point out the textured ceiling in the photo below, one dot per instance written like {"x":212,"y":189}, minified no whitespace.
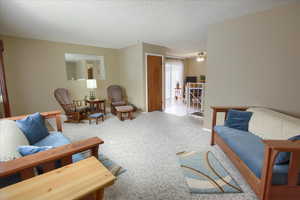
{"x":180,"y":25}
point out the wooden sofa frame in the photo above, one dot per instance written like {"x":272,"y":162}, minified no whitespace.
{"x":263,"y":186}
{"x":25,"y":166}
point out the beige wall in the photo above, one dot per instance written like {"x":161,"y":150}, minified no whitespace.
{"x":131,"y":74}
{"x":34,"y":68}
{"x":133,"y":71}
{"x":254,"y":60}
{"x":194,"y":68}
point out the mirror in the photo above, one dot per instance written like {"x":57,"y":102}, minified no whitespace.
{"x":82,"y":67}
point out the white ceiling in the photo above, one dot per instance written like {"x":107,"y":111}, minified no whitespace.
{"x":180,"y":25}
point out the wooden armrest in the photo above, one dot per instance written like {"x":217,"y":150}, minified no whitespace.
{"x":46,"y":115}
{"x":282,"y":145}
{"x":226,"y":108}
{"x":17,"y":165}
{"x":272,"y":149}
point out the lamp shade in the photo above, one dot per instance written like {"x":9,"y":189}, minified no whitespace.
{"x":91,"y":83}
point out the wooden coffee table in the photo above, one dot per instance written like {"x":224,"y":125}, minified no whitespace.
{"x":81,"y":180}
{"x":125,"y":110}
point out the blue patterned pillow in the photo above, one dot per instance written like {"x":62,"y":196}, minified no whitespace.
{"x":28,"y":150}
{"x":284,"y":157}
{"x":33,"y":127}
{"x":238,"y":119}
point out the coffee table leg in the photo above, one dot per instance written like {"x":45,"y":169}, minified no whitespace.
{"x":99,"y":194}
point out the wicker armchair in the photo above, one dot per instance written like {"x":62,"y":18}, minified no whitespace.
{"x":116,"y":97}
{"x":75,"y":110}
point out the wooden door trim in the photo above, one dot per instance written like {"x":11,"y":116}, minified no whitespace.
{"x":146,"y":78}
{"x":3,"y":86}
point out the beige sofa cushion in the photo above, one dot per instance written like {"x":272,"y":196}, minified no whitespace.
{"x":11,"y":137}
{"x":269,"y":124}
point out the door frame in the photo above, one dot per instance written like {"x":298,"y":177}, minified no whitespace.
{"x":163,"y":79}
{"x":3,"y":86}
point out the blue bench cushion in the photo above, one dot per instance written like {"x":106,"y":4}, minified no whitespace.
{"x":96,"y":115}
{"x":57,"y":139}
{"x":250,"y":150}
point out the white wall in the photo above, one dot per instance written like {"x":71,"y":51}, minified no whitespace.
{"x":255,"y":60}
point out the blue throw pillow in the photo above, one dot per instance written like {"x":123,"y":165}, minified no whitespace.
{"x":33,"y":127}
{"x":238,"y":119}
{"x":28,"y":150}
{"x":284,"y":157}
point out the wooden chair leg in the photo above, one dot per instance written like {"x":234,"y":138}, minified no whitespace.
{"x":99,"y":194}
{"x":97,"y":120}
{"x":78,"y":117}
{"x":102,"y":118}
{"x":119,"y":115}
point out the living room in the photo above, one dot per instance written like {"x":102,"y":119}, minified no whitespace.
{"x":248,"y":70}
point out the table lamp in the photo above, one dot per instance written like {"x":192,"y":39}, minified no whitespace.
{"x":91,"y":84}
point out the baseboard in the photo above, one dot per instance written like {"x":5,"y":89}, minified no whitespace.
{"x":206,"y":129}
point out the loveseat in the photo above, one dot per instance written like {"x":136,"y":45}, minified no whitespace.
{"x":63,"y":152}
{"x":255,"y":152}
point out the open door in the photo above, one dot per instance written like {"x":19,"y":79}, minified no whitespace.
{"x":4,"y":103}
{"x":154,"y":80}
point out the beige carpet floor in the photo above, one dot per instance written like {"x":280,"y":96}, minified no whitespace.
{"x":147,"y":147}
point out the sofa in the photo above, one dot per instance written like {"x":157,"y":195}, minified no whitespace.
{"x":62,"y":151}
{"x":255,"y":151}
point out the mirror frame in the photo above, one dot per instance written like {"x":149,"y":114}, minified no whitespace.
{"x":102,"y":66}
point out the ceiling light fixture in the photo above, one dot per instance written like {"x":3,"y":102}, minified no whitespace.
{"x":201,"y":57}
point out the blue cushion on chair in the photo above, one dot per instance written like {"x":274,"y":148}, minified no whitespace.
{"x":28,"y":150}
{"x":238,"y":119}
{"x":96,"y":115}
{"x":284,"y":157}
{"x":33,"y":127}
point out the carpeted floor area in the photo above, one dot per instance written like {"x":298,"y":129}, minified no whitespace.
{"x":147,"y":147}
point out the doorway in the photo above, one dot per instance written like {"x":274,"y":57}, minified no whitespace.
{"x":174,"y":73}
{"x":154,"y":82}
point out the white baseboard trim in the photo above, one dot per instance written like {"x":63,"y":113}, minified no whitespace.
{"x":206,"y":129}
